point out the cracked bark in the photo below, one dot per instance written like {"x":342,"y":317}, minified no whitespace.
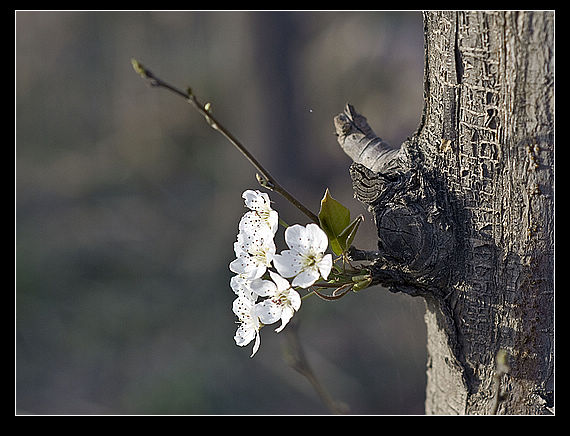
{"x":464,"y":208}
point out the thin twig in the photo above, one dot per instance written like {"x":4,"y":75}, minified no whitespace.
{"x":335,"y":295}
{"x":264,"y":178}
{"x":294,"y":355}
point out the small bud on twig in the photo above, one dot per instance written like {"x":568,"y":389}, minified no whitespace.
{"x":139,"y":69}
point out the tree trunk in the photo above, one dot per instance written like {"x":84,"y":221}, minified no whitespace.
{"x":464,"y":210}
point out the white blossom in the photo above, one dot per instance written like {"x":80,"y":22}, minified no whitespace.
{"x":261,"y":301}
{"x":241,"y":287}
{"x":261,"y":213}
{"x":250,"y":325}
{"x":305,"y":260}
{"x":281,"y":303}
{"x":255,"y":251}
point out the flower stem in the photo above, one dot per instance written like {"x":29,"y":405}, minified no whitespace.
{"x":264,"y":178}
{"x":283,"y":223}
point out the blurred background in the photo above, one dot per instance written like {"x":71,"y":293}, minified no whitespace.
{"x":127,"y":207}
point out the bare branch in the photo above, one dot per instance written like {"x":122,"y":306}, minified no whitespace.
{"x":264,"y":178}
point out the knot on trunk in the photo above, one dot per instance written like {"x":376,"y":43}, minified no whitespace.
{"x":416,"y":240}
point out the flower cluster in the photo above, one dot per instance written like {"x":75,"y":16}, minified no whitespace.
{"x":264,"y":295}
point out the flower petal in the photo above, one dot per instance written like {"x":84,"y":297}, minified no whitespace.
{"x":251,"y":222}
{"x":256,"y":200}
{"x":244,"y":335}
{"x":239,"y":265}
{"x":288,"y":263}
{"x":240,"y":286}
{"x":240,"y":248}
{"x":282,"y":284}
{"x":306,"y":278}
{"x":245,"y":310}
{"x":318,"y":238}
{"x":297,"y":238}
{"x":263,"y":288}
{"x":273,"y":221}
{"x":242,"y":308}
{"x":256,"y":344}
{"x":294,"y":299}
{"x":286,"y":316}
{"x":268,"y":311}
{"x":247,"y":267}
{"x":256,"y":239}
{"x":325,"y":266}
{"x":260,"y":213}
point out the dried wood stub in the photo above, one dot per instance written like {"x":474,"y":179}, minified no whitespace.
{"x":415,"y":238}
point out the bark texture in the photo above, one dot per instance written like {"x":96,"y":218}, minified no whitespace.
{"x":464,"y":209}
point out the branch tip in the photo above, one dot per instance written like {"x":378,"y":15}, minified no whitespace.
{"x":139,"y":69}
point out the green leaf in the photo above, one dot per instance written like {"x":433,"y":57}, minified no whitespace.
{"x":347,"y":235}
{"x":334,"y":219}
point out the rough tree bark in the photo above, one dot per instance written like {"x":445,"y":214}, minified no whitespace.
{"x":464,"y":209}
